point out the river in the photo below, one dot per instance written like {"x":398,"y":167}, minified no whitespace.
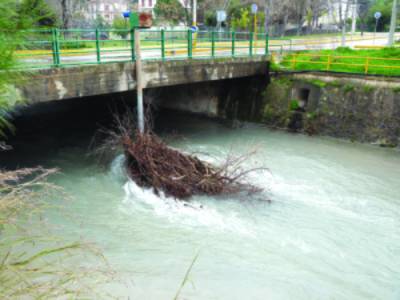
{"x":331,"y":229}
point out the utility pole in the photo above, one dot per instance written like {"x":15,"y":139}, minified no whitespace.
{"x":354,"y":18}
{"x":139,"y":81}
{"x":393,"y":23}
{"x":194,"y":13}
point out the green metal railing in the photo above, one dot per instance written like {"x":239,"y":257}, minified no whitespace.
{"x":66,"y":47}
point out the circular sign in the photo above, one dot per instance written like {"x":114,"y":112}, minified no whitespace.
{"x":126,"y":14}
{"x":378,"y":15}
{"x":254,"y":8}
{"x":194,"y":28}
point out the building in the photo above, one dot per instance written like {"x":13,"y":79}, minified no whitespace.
{"x":108,"y":9}
{"x":149,"y":4}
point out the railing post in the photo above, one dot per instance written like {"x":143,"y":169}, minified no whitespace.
{"x":57,"y":47}
{"x":133,"y":56}
{"x":251,"y":44}
{"x":162,"y":44}
{"x":294,"y":61}
{"x":189,"y":44}
{"x":266,"y":44}
{"x":366,"y":67}
{"x":328,"y":67}
{"x":233,"y":43}
{"x":213,"y":44}
{"x":98,"y":46}
{"x":54,"y":46}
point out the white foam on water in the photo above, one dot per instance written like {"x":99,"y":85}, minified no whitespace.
{"x":192,"y":213}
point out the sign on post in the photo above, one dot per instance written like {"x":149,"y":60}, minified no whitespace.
{"x":378,"y":15}
{"x":254,"y":8}
{"x":221,"y":16}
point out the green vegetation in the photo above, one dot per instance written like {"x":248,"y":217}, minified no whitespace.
{"x":335,"y":83}
{"x":317,"y":82}
{"x":348,"y":88}
{"x":384,"y":61}
{"x":396,"y":90}
{"x":121,"y":24}
{"x":294,"y":104}
{"x":170,"y":12}
{"x":368,"y":88}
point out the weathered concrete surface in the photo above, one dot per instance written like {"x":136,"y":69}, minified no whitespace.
{"x":359,"y":108}
{"x":91,"y":80}
{"x":234,"y":99}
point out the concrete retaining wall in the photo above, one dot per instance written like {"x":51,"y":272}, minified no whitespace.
{"x":359,"y":108}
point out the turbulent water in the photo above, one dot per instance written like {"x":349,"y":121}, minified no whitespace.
{"x":331,"y":230}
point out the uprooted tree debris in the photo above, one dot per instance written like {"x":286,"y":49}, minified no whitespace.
{"x":153,"y":164}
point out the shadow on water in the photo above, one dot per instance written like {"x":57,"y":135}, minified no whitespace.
{"x":44,"y":130}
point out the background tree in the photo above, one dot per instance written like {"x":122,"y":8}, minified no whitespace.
{"x":170,"y":12}
{"x":121,"y":24}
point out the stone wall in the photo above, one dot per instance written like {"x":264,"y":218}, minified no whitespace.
{"x":358,"y":108}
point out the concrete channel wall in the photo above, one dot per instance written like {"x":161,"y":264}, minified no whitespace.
{"x":355,"y":107}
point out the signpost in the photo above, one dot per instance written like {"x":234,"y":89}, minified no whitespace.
{"x":377,"y":16}
{"x":221,"y":17}
{"x":135,"y":22}
{"x":254,"y":9}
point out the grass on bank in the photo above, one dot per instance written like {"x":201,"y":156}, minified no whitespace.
{"x":384,"y":61}
{"x":34,"y":264}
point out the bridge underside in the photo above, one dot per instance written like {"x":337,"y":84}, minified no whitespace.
{"x":91,"y":80}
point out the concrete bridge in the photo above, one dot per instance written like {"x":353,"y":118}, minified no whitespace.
{"x":91,"y":80}
{"x":200,"y":76}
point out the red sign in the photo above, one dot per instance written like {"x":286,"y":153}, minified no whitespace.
{"x":145,"y":20}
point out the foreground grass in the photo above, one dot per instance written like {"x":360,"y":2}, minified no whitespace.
{"x":384,"y":61}
{"x":33,"y":263}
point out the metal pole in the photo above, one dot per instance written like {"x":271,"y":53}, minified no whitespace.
{"x":139,"y":82}
{"x":194,"y":20}
{"x":233,"y":43}
{"x":212,"y":44}
{"x":393,"y":22}
{"x":251,"y":43}
{"x":57,"y":47}
{"x":133,"y":44}
{"x":189,"y":43}
{"x":255,"y":32}
{"x":98,"y":45}
{"x":194,"y":13}
{"x":162,"y":44}
{"x":54,"y":46}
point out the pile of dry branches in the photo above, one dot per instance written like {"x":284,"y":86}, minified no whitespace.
{"x":151,"y":163}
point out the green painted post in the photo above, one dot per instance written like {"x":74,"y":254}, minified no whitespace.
{"x":98,"y":45}
{"x":266,"y":44}
{"x":133,"y":57}
{"x":54,"y":46}
{"x":189,"y":44}
{"x":57,"y":46}
{"x":162,"y":44}
{"x":233,"y":43}
{"x":213,"y":44}
{"x":251,"y":44}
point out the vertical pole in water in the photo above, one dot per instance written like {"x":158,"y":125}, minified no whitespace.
{"x":139,"y":82}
